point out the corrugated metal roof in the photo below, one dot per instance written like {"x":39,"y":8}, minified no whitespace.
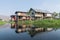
{"x":43,"y":11}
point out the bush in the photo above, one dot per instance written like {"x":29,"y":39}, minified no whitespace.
{"x":42,"y":23}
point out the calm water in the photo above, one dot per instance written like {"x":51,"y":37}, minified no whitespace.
{"x":12,"y":32}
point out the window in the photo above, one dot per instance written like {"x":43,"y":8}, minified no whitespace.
{"x":48,"y":14}
{"x":32,"y":13}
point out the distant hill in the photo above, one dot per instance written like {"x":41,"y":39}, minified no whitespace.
{"x":5,"y":18}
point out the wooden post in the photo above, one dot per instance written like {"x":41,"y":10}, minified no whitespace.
{"x":16,"y":20}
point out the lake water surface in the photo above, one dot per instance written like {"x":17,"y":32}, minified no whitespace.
{"x":12,"y":32}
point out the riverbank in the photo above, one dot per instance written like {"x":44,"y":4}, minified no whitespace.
{"x":55,"y":23}
{"x":47,"y":23}
{"x":2,"y":22}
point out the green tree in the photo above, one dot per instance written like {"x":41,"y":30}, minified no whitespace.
{"x":54,"y":14}
{"x":59,"y":15}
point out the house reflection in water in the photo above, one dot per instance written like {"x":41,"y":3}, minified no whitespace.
{"x":32,"y":31}
{"x":13,"y":25}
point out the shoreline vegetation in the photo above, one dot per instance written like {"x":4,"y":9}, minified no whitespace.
{"x":54,"y":23}
{"x":2,"y":22}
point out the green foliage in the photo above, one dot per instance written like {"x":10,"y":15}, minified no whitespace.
{"x":47,"y":23}
{"x":2,"y":22}
{"x":42,"y":23}
{"x":54,"y":14}
{"x":26,"y":22}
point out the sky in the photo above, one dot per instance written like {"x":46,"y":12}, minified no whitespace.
{"x":8,"y":7}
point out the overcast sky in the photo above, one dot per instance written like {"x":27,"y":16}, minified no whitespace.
{"x":8,"y":7}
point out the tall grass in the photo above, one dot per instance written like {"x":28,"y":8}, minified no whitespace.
{"x":26,"y":22}
{"x":2,"y":22}
{"x":42,"y":23}
{"x":47,"y":23}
